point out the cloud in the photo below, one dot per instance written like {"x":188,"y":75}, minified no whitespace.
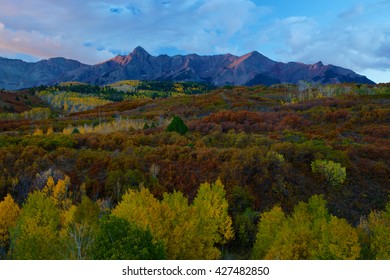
{"x":125,"y":10}
{"x":116,"y":10}
{"x":352,"y":12}
{"x":204,"y":27}
{"x":355,"y":39}
{"x":95,"y":30}
{"x":383,"y":49}
{"x":378,"y":76}
{"x":38,"y":45}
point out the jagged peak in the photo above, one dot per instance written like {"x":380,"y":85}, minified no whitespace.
{"x":140,"y":51}
{"x":250,"y":56}
{"x":217,"y":69}
{"x":256,"y":55}
{"x":316,"y":65}
{"x":120,"y":59}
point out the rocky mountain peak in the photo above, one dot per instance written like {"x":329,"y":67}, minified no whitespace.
{"x":250,"y":69}
{"x":317,"y":65}
{"x":139,"y":51}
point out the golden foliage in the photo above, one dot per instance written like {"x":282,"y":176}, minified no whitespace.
{"x":9,"y":212}
{"x":38,"y":131}
{"x":59,"y":192}
{"x":50,"y":131}
{"x":188,"y":231}
{"x":36,"y":234}
{"x":309,"y":233}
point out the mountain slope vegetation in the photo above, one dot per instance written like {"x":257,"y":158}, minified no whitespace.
{"x":252,"y":162}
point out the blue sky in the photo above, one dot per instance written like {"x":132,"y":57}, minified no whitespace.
{"x":351,"y":34}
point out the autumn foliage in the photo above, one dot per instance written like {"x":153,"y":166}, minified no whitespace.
{"x":238,"y":172}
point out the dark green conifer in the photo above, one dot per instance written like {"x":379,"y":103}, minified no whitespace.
{"x":177,"y":125}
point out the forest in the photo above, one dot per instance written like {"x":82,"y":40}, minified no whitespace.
{"x":164,"y":170}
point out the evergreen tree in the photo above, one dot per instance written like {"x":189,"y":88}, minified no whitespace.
{"x":75,"y":131}
{"x":177,"y":125}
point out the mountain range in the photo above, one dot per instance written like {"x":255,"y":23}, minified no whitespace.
{"x":227,"y":69}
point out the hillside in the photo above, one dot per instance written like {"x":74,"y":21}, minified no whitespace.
{"x":266,"y":151}
{"x":17,"y":102}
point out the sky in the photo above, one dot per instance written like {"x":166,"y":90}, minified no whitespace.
{"x":346,"y":33}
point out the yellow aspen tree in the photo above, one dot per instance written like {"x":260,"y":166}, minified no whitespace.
{"x":212,"y":207}
{"x":139,"y":207}
{"x":59,"y":192}
{"x":172,"y":221}
{"x":340,"y":241}
{"x":36,"y":234}
{"x":38,"y":132}
{"x":66,"y":106}
{"x":375,"y":233}
{"x":79,"y":229}
{"x":9,"y":212}
{"x":309,"y":233}
{"x":271,"y":223}
{"x":179,"y":228}
{"x":49,"y":131}
{"x":188,"y":231}
{"x":68,"y":130}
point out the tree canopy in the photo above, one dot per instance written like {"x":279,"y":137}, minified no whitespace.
{"x":117,"y":239}
{"x":36,"y":234}
{"x":9,"y":212}
{"x":189,"y":231}
{"x":309,"y":233}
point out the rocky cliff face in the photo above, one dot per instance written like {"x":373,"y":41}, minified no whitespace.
{"x":250,"y":69}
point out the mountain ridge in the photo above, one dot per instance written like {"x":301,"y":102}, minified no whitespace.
{"x":225,"y":69}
